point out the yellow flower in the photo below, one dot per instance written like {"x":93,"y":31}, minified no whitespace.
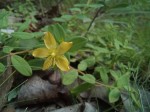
{"x":54,"y":53}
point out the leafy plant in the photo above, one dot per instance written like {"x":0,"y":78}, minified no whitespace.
{"x":108,"y":46}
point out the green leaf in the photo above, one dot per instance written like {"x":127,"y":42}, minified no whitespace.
{"x":103,"y":74}
{"x":75,"y":9}
{"x":63,"y":18}
{"x":115,"y":74}
{"x":88,"y":78}
{"x":23,"y":35}
{"x":13,"y":94}
{"x":2,"y":68}
{"x":100,"y":50}
{"x":90,"y":61}
{"x":26,"y":35}
{"x":7,"y":49}
{"x":38,"y":34}
{"x":3,"y":18}
{"x":21,"y":65}
{"x":84,"y":18}
{"x":28,"y":44}
{"x":67,"y":17}
{"x":78,"y":43}
{"x":24,"y":25}
{"x":114,"y":95}
{"x":117,"y":44}
{"x":58,"y":32}
{"x":36,"y":64}
{"x":59,"y":19}
{"x":82,"y":66}
{"x":81,"y":88}
{"x":70,"y":77}
{"x":89,"y":5}
{"x":136,"y":99}
{"x":123,"y":80}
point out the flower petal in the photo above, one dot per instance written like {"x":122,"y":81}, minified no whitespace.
{"x":41,"y":52}
{"x":64,"y":47}
{"x":62,"y":63}
{"x":48,"y":62}
{"x":49,"y":40}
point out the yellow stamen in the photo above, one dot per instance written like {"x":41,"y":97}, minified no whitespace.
{"x":53,"y":54}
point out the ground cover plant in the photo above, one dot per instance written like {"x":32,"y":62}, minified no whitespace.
{"x":74,"y":56}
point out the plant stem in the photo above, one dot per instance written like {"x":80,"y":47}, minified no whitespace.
{"x":41,"y":6}
{"x":96,"y":14}
{"x":17,"y":87}
{"x":20,"y":52}
{"x":7,"y":78}
{"x":78,"y":71}
{"x":101,"y":84}
{"x":101,"y":10}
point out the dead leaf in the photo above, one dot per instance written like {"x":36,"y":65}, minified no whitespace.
{"x":89,"y":107}
{"x":96,"y":92}
{"x":37,"y":90}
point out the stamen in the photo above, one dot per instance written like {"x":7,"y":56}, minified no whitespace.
{"x":53,"y":54}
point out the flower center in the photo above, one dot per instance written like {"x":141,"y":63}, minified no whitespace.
{"x":53,"y":54}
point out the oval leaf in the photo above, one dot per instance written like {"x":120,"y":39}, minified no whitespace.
{"x":78,"y":43}
{"x":123,"y":81}
{"x":70,"y":77}
{"x":23,"y":35}
{"x":114,"y":95}
{"x":58,"y":32}
{"x":2,"y":68}
{"x":90,"y":61}
{"x":26,"y":44}
{"x":103,"y":74}
{"x":36,"y":64}
{"x":21,"y":65}
{"x":82,"y":66}
{"x":24,"y":25}
{"x":81,"y":88}
{"x":88,"y":78}
{"x":115,"y":74}
{"x":12,"y":94}
{"x":7,"y":49}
